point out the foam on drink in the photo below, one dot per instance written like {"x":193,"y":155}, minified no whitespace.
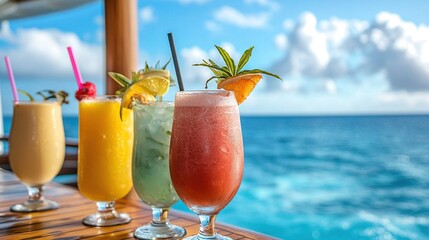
{"x":210,"y":98}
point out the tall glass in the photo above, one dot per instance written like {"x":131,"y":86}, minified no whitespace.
{"x":36,"y":150}
{"x":151,"y":176}
{"x":206,"y":154}
{"x":104,"y":157}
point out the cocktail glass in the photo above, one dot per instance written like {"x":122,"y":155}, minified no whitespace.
{"x":151,"y":176}
{"x":104,"y":157}
{"x":36,"y":150}
{"x":206,"y":154}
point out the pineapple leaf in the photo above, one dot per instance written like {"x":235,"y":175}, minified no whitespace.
{"x":215,"y":67}
{"x":225,"y":68}
{"x":230,"y":65}
{"x":216,"y":72}
{"x":244,"y":58}
{"x":166,"y":64}
{"x":41,"y":94}
{"x":26,"y":94}
{"x":134,"y":77}
{"x":120,"y":92}
{"x":62,"y":95}
{"x":261,"y":72}
{"x":211,"y":63}
{"x":172,"y":82}
{"x":208,"y":80}
{"x":120,"y":79}
{"x":230,"y":69}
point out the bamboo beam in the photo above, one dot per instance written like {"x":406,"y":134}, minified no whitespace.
{"x":121,"y":39}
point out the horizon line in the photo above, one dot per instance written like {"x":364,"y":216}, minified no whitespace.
{"x":306,"y":115}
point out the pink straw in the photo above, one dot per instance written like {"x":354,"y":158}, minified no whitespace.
{"x":76,"y":71}
{"x":11,"y":78}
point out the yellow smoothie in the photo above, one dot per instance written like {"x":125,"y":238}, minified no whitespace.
{"x":37,"y":141}
{"x":105,"y":150}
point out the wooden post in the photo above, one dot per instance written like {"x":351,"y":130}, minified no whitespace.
{"x":121,"y":39}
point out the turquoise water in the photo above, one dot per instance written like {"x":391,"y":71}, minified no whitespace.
{"x":331,"y":178}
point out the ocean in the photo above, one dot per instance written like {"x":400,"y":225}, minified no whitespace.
{"x":330,"y":178}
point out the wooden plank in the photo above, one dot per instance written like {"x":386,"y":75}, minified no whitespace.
{"x":70,"y":226}
{"x":66,"y":222}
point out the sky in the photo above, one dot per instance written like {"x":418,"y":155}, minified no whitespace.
{"x":335,"y":57}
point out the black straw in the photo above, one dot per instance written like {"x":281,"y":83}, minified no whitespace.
{"x":176,"y":63}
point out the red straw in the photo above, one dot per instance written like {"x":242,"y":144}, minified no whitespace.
{"x":11,"y":78}
{"x":76,"y":71}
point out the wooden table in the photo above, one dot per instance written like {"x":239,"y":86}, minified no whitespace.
{"x":65,"y":222}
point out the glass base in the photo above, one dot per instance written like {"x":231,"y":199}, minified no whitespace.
{"x":106,"y":219}
{"x":159,"y":231}
{"x":201,"y":237}
{"x":34,"y":206}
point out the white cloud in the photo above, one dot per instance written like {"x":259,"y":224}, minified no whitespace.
{"x":212,"y":26}
{"x":100,"y":31}
{"x":330,"y":86}
{"x":336,"y":49}
{"x":288,"y":24}
{"x":227,"y":14}
{"x":5,"y":32}
{"x":146,"y":14}
{"x":40,"y":61}
{"x":193,"y":1}
{"x":292,"y":103}
{"x":281,"y":41}
{"x":191,"y":73}
{"x":99,"y":20}
{"x":264,"y":3}
{"x":400,"y":98}
{"x":398,"y":48}
{"x":41,"y":53}
{"x":308,"y":46}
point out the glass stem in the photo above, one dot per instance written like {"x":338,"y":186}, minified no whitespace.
{"x":105,"y":207}
{"x":207,"y":226}
{"x":35,"y":193}
{"x":159,"y":216}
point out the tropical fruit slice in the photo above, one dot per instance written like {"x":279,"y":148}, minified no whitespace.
{"x":242,"y":85}
{"x":156,"y":81}
{"x":232,"y":77}
{"x":136,"y":91}
{"x":146,"y":85}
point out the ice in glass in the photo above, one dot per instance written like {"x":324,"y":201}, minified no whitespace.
{"x":206,"y":154}
{"x":151,"y":176}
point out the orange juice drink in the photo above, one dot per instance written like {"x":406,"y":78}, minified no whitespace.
{"x":105,"y":149}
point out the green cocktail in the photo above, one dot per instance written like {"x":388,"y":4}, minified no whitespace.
{"x":150,"y":168}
